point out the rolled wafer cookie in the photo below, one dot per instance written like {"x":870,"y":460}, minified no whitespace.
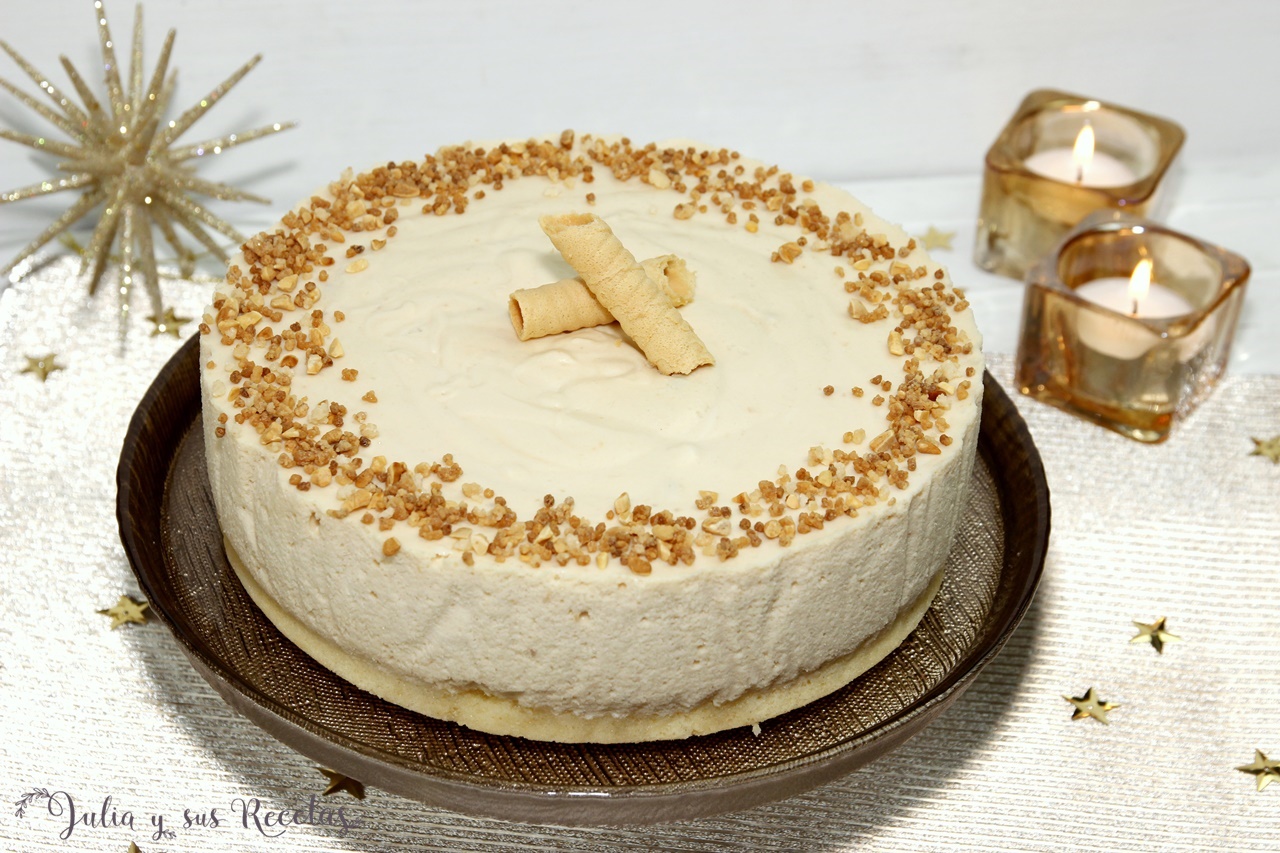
{"x":568,"y":304}
{"x":621,"y":285}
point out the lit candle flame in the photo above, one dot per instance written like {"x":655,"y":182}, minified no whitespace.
{"x":1140,"y":283}
{"x":1082,"y":152}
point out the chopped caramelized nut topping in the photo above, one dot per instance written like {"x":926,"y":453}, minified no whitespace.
{"x":269,"y":315}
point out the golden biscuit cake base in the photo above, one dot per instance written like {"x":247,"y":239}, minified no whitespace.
{"x":501,"y":716}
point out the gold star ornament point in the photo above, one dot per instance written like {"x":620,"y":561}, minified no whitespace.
{"x":1155,"y":634}
{"x":126,"y":610}
{"x":42,"y":365}
{"x":167,"y":323}
{"x":123,"y":157}
{"x":1090,"y":705}
{"x":935,"y":239}
{"x":339,"y":782}
{"x":1263,"y":769}
{"x":1269,"y":448}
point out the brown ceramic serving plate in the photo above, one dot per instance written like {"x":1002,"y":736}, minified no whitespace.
{"x":171,"y":535}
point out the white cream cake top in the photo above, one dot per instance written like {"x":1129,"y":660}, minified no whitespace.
{"x":582,"y":415}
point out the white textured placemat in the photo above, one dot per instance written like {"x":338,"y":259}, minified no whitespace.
{"x":1189,"y":530}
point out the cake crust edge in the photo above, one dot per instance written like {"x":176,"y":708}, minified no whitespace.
{"x":504,"y":716}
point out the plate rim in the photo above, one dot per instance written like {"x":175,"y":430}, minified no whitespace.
{"x":594,"y":805}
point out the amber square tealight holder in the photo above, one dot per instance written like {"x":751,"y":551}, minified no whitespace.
{"x":1132,"y":363}
{"x":1035,"y":189}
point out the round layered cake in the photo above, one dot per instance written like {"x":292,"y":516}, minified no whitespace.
{"x":552,"y":537}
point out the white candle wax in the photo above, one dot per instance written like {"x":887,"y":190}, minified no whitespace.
{"x":1120,"y":339}
{"x":1060,"y":164}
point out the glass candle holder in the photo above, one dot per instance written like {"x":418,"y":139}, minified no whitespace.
{"x":1041,"y":176}
{"x":1093,"y":344}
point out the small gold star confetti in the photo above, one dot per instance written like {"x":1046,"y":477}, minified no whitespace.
{"x":123,"y":156}
{"x":126,"y":610}
{"x":1266,"y":770}
{"x":167,"y":323}
{"x":1155,"y":634}
{"x":935,"y":239}
{"x":133,"y":848}
{"x":1269,"y":448}
{"x":42,"y":365}
{"x":1089,"y":705}
{"x":341,"y":782}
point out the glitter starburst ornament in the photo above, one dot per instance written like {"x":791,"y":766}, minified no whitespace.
{"x":122,"y":156}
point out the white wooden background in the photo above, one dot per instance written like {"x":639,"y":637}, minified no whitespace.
{"x":840,"y":90}
{"x":897,"y":101}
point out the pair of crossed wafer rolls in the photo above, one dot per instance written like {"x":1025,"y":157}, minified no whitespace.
{"x":621,"y":289}
{"x":568,"y":305}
